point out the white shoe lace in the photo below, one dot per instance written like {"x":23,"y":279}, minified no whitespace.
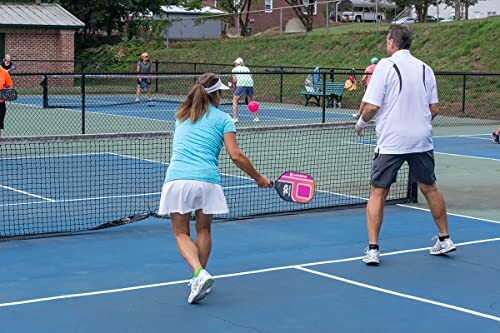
{"x":437,"y":246}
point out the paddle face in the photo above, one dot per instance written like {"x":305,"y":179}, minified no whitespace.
{"x":8,"y":94}
{"x":295,"y":187}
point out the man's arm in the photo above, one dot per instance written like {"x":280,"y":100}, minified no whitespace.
{"x":434,"y":110}
{"x":369,"y":111}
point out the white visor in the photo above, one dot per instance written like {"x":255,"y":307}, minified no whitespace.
{"x":218,"y":86}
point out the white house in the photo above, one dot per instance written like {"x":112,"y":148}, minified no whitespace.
{"x":185,"y":26}
{"x":484,"y":8}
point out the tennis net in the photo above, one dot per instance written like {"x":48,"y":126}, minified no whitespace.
{"x":65,"y":184}
{"x":78,"y":91}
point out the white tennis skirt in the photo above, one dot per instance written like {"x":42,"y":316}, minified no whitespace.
{"x":185,"y":196}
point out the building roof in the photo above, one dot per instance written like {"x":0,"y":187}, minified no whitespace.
{"x":37,"y":16}
{"x":187,"y":11}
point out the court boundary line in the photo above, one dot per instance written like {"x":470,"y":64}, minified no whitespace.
{"x":469,"y":156}
{"x":460,"y":136}
{"x":452,"y":214}
{"x":26,"y":193}
{"x":399,"y":294}
{"x":244,"y":273}
{"x":441,"y":153}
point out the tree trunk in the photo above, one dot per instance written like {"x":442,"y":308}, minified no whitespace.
{"x":457,"y":9}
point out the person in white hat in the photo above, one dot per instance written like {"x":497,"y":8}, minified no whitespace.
{"x":243,"y":81}
{"x":193,"y":180}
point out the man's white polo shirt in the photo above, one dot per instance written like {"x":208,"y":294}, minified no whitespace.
{"x":403,"y":87}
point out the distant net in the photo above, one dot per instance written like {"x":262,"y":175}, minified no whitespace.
{"x":78,"y":91}
{"x":68,"y":184}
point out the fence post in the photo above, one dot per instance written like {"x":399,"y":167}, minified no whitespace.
{"x":327,"y":18}
{"x":157,"y":66}
{"x":281,"y":84}
{"x":324,"y":98}
{"x":463,"y":94}
{"x":281,"y":20}
{"x":45,"y":91}
{"x":412,"y":191}
{"x":83,"y":102}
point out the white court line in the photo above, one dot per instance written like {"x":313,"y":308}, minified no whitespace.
{"x":26,"y":193}
{"x":452,"y":214}
{"x":265,"y":270}
{"x":459,"y":135}
{"x":398,"y":294}
{"x":469,"y":156}
{"x":97,"y":198}
{"x":441,"y":153}
{"x":50,"y":156}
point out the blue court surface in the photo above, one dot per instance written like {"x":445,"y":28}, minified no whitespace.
{"x":476,"y":146}
{"x":298,"y":273}
{"x":165,"y":110}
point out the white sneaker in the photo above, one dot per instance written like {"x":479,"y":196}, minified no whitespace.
{"x":235,"y":120}
{"x":137,"y":100}
{"x":372,"y":257}
{"x":208,"y":291}
{"x":256,"y":119}
{"x":443,"y":247}
{"x":199,"y":286}
{"x":355,"y":116}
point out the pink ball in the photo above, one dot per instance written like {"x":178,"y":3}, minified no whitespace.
{"x":253,"y":106}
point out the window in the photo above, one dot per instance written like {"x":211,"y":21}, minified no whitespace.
{"x":315,"y":8}
{"x":268,"y":6}
{"x":492,"y":14}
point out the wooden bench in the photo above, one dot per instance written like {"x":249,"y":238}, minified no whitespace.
{"x":333,"y":94}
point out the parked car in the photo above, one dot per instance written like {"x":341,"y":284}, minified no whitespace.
{"x":431,"y":19}
{"x":450,"y":18}
{"x":404,"y":20}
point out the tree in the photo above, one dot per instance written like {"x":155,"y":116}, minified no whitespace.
{"x":461,"y":7}
{"x":109,"y":13}
{"x":421,"y":7}
{"x":236,"y":7}
{"x":304,"y":10}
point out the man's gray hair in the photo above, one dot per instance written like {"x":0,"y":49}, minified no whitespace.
{"x":401,"y":35}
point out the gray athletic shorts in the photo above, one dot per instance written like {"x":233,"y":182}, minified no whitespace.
{"x":386,"y":166}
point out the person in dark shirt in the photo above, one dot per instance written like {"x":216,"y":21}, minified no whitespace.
{"x":7,"y":64}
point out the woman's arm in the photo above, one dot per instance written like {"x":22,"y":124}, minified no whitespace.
{"x":242,"y":161}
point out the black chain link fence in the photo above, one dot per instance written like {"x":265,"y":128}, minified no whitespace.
{"x":73,"y":103}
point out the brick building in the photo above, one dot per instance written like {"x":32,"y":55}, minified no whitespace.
{"x":38,"y":31}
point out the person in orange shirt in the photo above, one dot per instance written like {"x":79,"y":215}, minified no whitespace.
{"x":366,"y":80}
{"x":5,"y":82}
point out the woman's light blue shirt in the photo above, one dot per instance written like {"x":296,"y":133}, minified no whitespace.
{"x":197,"y":146}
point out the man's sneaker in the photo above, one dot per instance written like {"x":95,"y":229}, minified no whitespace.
{"x":372,"y":257}
{"x":256,"y":119}
{"x":137,"y":100}
{"x":355,"y":116}
{"x":235,"y":120}
{"x":199,"y":286}
{"x":443,"y":247}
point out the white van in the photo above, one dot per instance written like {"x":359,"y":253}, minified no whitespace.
{"x":362,"y":14}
